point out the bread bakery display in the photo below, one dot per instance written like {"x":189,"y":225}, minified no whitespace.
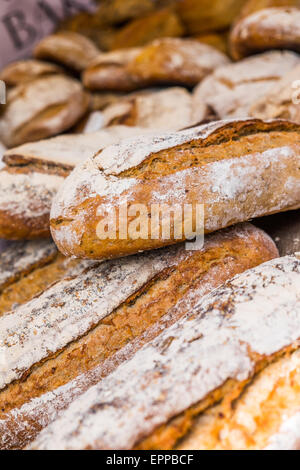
{"x":232,"y":90}
{"x":273,"y":28}
{"x":42,"y":108}
{"x":150,"y":229}
{"x":209,"y":355}
{"x":111,"y":308}
{"x":164,"y":61}
{"x":35,"y":171}
{"x":209,"y":165}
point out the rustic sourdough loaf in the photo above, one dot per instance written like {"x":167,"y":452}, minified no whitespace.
{"x":212,"y":353}
{"x":78,"y":323}
{"x":232,"y":89}
{"x":238,"y":170}
{"x":26,"y":70}
{"x":271,"y":28}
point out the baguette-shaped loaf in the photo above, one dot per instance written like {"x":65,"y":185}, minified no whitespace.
{"x":79,"y":322}
{"x":232,"y":89}
{"x":213,"y":352}
{"x":260,"y":417}
{"x":26,"y":70}
{"x":282,"y":101}
{"x":42,"y":108}
{"x":271,"y":28}
{"x":34,"y":173}
{"x":129,"y":327}
{"x":67,"y":48}
{"x":237,"y":169}
{"x":163,"y":61}
{"x":28,"y":268}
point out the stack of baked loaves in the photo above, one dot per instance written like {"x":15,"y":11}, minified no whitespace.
{"x":149,"y":342}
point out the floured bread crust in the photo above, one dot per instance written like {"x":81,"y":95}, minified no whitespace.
{"x":67,"y":48}
{"x":42,"y":108}
{"x":239,"y":170}
{"x":107,"y":306}
{"x":212,"y":352}
{"x":26,"y":70}
{"x":231,"y":90}
{"x":270,"y":28}
{"x":264,"y":416}
{"x":163,"y":61}
{"x":170,"y":109}
{"x":34,"y":173}
{"x":144,"y":315}
{"x":281,"y":100}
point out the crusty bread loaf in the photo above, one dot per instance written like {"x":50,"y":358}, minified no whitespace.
{"x":284,"y":229}
{"x":237,"y":169}
{"x":260,"y":417}
{"x":255,"y":5}
{"x":232,"y":89}
{"x":271,"y":28}
{"x":282,"y":100}
{"x":42,"y":108}
{"x":163,"y":61}
{"x":159,"y":24}
{"x":208,"y":15}
{"x":34,"y":173}
{"x":210,"y":354}
{"x":67,"y":48}
{"x":28,"y":268}
{"x":169,"y":109}
{"x":26,"y":70}
{"x":79,"y":322}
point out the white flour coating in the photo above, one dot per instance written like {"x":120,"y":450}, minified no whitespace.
{"x":281,"y":21}
{"x":27,"y":195}
{"x":229,"y":91}
{"x":26,"y":101}
{"x":288,"y":437}
{"x":42,"y":411}
{"x":18,"y":257}
{"x":70,"y":308}
{"x":259,"y":310}
{"x":72,"y":149}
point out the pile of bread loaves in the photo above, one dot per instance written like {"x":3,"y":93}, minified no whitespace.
{"x":134,"y":342}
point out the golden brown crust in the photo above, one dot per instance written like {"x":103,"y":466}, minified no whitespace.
{"x":271,"y":28}
{"x":207,"y":15}
{"x":255,"y":5}
{"x":26,"y":70}
{"x":194,"y":166}
{"x":163,"y":61}
{"x":162,"y":23}
{"x":141,"y":316}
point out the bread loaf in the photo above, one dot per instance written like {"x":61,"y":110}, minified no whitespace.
{"x":210,"y":354}
{"x":34,"y":173}
{"x":79,"y":322}
{"x":238,"y":170}
{"x":26,"y":70}
{"x":28,"y":268}
{"x":42,"y":108}
{"x":164,"y":61}
{"x":261,"y":418}
{"x":169,"y":109}
{"x":67,"y":48}
{"x":159,"y":24}
{"x":282,"y":100}
{"x":231,"y":90}
{"x":271,"y":28}
{"x":255,"y":5}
